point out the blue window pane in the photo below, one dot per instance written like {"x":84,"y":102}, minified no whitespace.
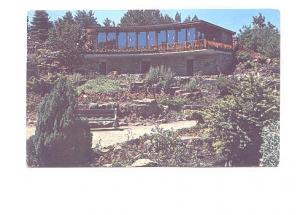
{"x":122,"y":40}
{"x":131,"y":39}
{"x":142,"y":40}
{"x":151,"y":38}
{"x":111,"y":36}
{"x":181,"y":36}
{"x":101,"y":37}
{"x":161,"y":37}
{"x":191,"y":34}
{"x":171,"y":36}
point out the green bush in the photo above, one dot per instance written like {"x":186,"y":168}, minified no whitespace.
{"x":174,"y":103}
{"x":102,"y":84}
{"x":224,"y":84}
{"x":61,"y":139}
{"x":191,"y":86}
{"x":44,"y":84}
{"x":160,"y":78}
{"x":236,"y":121}
{"x":270,"y":146}
{"x":243,"y":57}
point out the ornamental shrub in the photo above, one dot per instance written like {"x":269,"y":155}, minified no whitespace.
{"x":236,"y":121}
{"x":270,"y":146}
{"x":61,"y":139}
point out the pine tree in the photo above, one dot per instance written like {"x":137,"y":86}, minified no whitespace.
{"x":107,"y":22}
{"x":68,"y":17}
{"x":195,"y":18}
{"x":85,"y":19}
{"x":61,"y":139}
{"x":40,"y":26}
{"x":178,"y":17}
{"x":188,"y":19}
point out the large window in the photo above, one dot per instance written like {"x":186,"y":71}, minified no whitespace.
{"x":142,"y":40}
{"x":171,"y":36}
{"x":151,"y":38}
{"x":191,"y":34}
{"x":122,"y":40}
{"x":181,"y":35}
{"x":111,"y":36}
{"x":161,"y":37}
{"x":131,"y":39}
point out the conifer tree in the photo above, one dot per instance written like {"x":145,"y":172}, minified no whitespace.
{"x":177,"y":17}
{"x":61,"y":139}
{"x":40,"y":26}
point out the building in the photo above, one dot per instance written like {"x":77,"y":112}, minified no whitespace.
{"x":187,"y":48}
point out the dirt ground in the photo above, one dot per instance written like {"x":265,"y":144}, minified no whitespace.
{"x":106,"y":137}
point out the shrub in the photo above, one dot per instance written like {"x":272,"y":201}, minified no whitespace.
{"x":61,"y":139}
{"x":224,"y":84}
{"x":102,"y":84}
{"x":160,"y":78}
{"x":236,"y":121}
{"x":44,"y":84}
{"x":243,"y":57}
{"x":174,"y":103}
{"x":270,"y":146}
{"x":191,"y":86}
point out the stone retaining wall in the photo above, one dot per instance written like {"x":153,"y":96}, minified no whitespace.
{"x":205,"y":62}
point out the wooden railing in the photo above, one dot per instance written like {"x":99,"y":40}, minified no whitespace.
{"x":166,"y":47}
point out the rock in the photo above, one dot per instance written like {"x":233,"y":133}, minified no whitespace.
{"x":144,"y":163}
{"x":145,"y":101}
{"x":109,"y":105}
{"x":268,"y":61}
{"x":93,"y":106}
{"x":107,"y":165}
{"x":192,"y":107}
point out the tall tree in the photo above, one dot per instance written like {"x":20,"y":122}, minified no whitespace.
{"x":40,"y":26}
{"x":259,"y":21}
{"x":261,"y":37}
{"x":62,"y":50}
{"x":188,"y":19}
{"x":108,"y":23}
{"x":195,"y":18}
{"x":85,"y":19}
{"x":144,"y":17}
{"x":177,"y":17}
{"x":68,"y":17}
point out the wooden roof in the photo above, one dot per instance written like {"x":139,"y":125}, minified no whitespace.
{"x":170,"y":26}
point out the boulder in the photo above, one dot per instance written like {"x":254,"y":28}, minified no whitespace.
{"x":144,"y":163}
{"x":93,"y":106}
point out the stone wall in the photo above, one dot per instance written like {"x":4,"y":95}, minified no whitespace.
{"x":210,"y":62}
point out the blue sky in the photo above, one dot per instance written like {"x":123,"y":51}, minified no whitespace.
{"x":232,"y":19}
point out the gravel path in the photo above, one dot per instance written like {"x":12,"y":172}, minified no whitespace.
{"x":108,"y":137}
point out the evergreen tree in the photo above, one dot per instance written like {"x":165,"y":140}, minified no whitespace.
{"x":261,"y":37}
{"x":195,"y":18}
{"x":188,"y":19}
{"x":168,"y":19}
{"x":68,"y":17}
{"x":107,"y":22}
{"x":40,"y":26}
{"x":62,"y":50}
{"x":85,"y":19}
{"x":60,"y":139}
{"x":178,"y":17}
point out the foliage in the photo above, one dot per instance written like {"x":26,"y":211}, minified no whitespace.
{"x":108,"y":23}
{"x":60,"y":139}
{"x":174,"y":102}
{"x":192,"y":85}
{"x":178,"y":17}
{"x":85,"y":18}
{"x":43,"y":84}
{"x":160,"y":78}
{"x":40,"y":26}
{"x":261,"y":37}
{"x":144,"y":17}
{"x":270,"y":146}
{"x":243,"y":56}
{"x":102,"y":84}
{"x":236,"y":121}
{"x":225,"y":85}
{"x":62,"y":50}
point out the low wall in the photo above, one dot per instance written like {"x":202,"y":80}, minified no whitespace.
{"x":203,"y":62}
